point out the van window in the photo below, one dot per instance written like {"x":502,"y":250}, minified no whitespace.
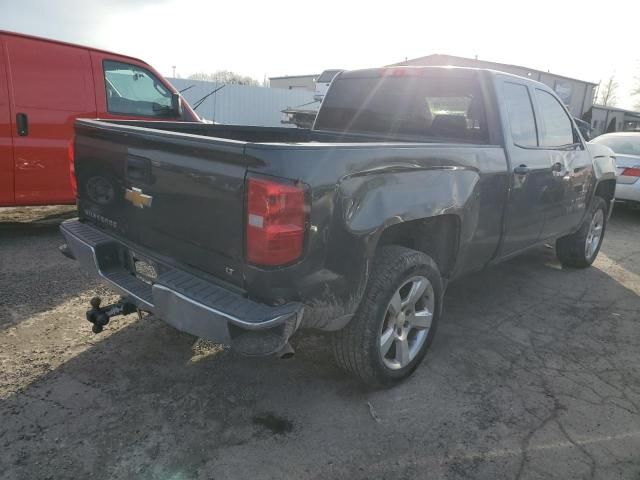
{"x":436,"y":105}
{"x":133,"y":90}
{"x":520,"y":112}
{"x":557,"y":131}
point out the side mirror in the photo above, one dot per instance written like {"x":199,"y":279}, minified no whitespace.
{"x":176,"y":104}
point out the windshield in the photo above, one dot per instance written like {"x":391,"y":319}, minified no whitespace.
{"x":439,"y":105}
{"x":621,"y":144}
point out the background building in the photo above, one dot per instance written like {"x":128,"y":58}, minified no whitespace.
{"x":576,"y":94}
{"x":295,"y":82}
{"x":612,"y":119}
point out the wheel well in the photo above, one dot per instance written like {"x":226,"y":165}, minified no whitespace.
{"x":438,"y":237}
{"x":606,"y":189}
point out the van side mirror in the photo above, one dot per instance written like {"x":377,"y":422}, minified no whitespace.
{"x":176,"y":104}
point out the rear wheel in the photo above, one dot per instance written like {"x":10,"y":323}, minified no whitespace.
{"x":580,"y":249}
{"x":396,"y":321}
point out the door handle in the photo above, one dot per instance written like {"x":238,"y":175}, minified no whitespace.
{"x":556,"y":167}
{"x":521,"y":170}
{"x":139,"y":169}
{"x":22,"y":124}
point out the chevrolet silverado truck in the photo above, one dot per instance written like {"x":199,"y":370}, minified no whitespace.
{"x":409,"y":178}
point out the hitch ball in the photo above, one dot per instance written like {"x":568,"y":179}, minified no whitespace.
{"x":97,"y":316}
{"x":100,"y":317}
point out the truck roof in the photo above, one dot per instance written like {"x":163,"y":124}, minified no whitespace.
{"x":374,"y":72}
{"x":50,"y":40}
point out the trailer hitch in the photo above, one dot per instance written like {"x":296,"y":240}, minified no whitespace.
{"x":100,"y":316}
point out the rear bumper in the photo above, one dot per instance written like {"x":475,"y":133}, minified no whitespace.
{"x":628,"y":191}
{"x":187,"y":302}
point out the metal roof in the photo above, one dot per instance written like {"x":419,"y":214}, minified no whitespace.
{"x":312,"y":75}
{"x":616,"y":109}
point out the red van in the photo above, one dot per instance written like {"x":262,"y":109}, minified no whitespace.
{"x":44,"y":86}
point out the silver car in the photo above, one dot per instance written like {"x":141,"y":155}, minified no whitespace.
{"x":626,"y":146}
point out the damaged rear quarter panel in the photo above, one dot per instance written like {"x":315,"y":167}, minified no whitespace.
{"x":378,"y":185}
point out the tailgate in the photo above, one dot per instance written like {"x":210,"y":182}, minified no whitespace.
{"x":177,"y":195}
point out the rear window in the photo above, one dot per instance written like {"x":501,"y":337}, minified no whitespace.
{"x":441,"y":106}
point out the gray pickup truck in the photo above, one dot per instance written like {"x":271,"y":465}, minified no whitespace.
{"x":409,"y":178}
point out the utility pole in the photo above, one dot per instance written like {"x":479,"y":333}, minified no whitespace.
{"x":174,"y":71}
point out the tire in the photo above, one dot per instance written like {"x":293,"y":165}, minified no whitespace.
{"x":573,"y":250}
{"x":399,"y":276}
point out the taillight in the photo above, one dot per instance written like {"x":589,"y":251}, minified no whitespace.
{"x":72,"y":167}
{"x":631,"y":172}
{"x":276,"y":216}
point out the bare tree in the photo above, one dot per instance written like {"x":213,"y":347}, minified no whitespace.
{"x":224,"y":76}
{"x":607,"y":96}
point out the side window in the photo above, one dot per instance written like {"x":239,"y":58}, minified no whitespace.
{"x":557,"y":130}
{"x":520,"y":111}
{"x":132,"y":90}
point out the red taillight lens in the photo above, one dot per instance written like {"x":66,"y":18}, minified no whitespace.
{"x":276,"y":216}
{"x":631,"y":172}
{"x":72,"y":167}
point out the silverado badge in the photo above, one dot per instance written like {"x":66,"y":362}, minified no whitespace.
{"x":139,"y":199}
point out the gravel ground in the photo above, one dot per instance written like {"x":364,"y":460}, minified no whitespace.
{"x":534,"y":373}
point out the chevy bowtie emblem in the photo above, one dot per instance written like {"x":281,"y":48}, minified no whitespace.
{"x":139,"y":199}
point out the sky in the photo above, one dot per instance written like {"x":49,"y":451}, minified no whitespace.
{"x":581,"y":39}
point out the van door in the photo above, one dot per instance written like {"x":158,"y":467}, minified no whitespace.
{"x":531,"y":176}
{"x":6,"y":140}
{"x":50,"y":86}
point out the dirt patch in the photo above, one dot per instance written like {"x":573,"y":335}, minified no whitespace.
{"x":48,"y":215}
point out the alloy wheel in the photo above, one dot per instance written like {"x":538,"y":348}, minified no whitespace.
{"x":594,"y":236}
{"x":407,"y":322}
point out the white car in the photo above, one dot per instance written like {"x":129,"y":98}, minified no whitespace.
{"x":626,"y":146}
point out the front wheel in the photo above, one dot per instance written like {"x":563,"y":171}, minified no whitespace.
{"x":580,"y":249}
{"x":396,"y":320}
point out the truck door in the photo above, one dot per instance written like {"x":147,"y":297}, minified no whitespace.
{"x":6,"y":140}
{"x":571,"y":167}
{"x":49,"y":85}
{"x":531,"y":176}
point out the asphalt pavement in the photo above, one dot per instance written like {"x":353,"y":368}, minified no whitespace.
{"x":534,"y":374}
